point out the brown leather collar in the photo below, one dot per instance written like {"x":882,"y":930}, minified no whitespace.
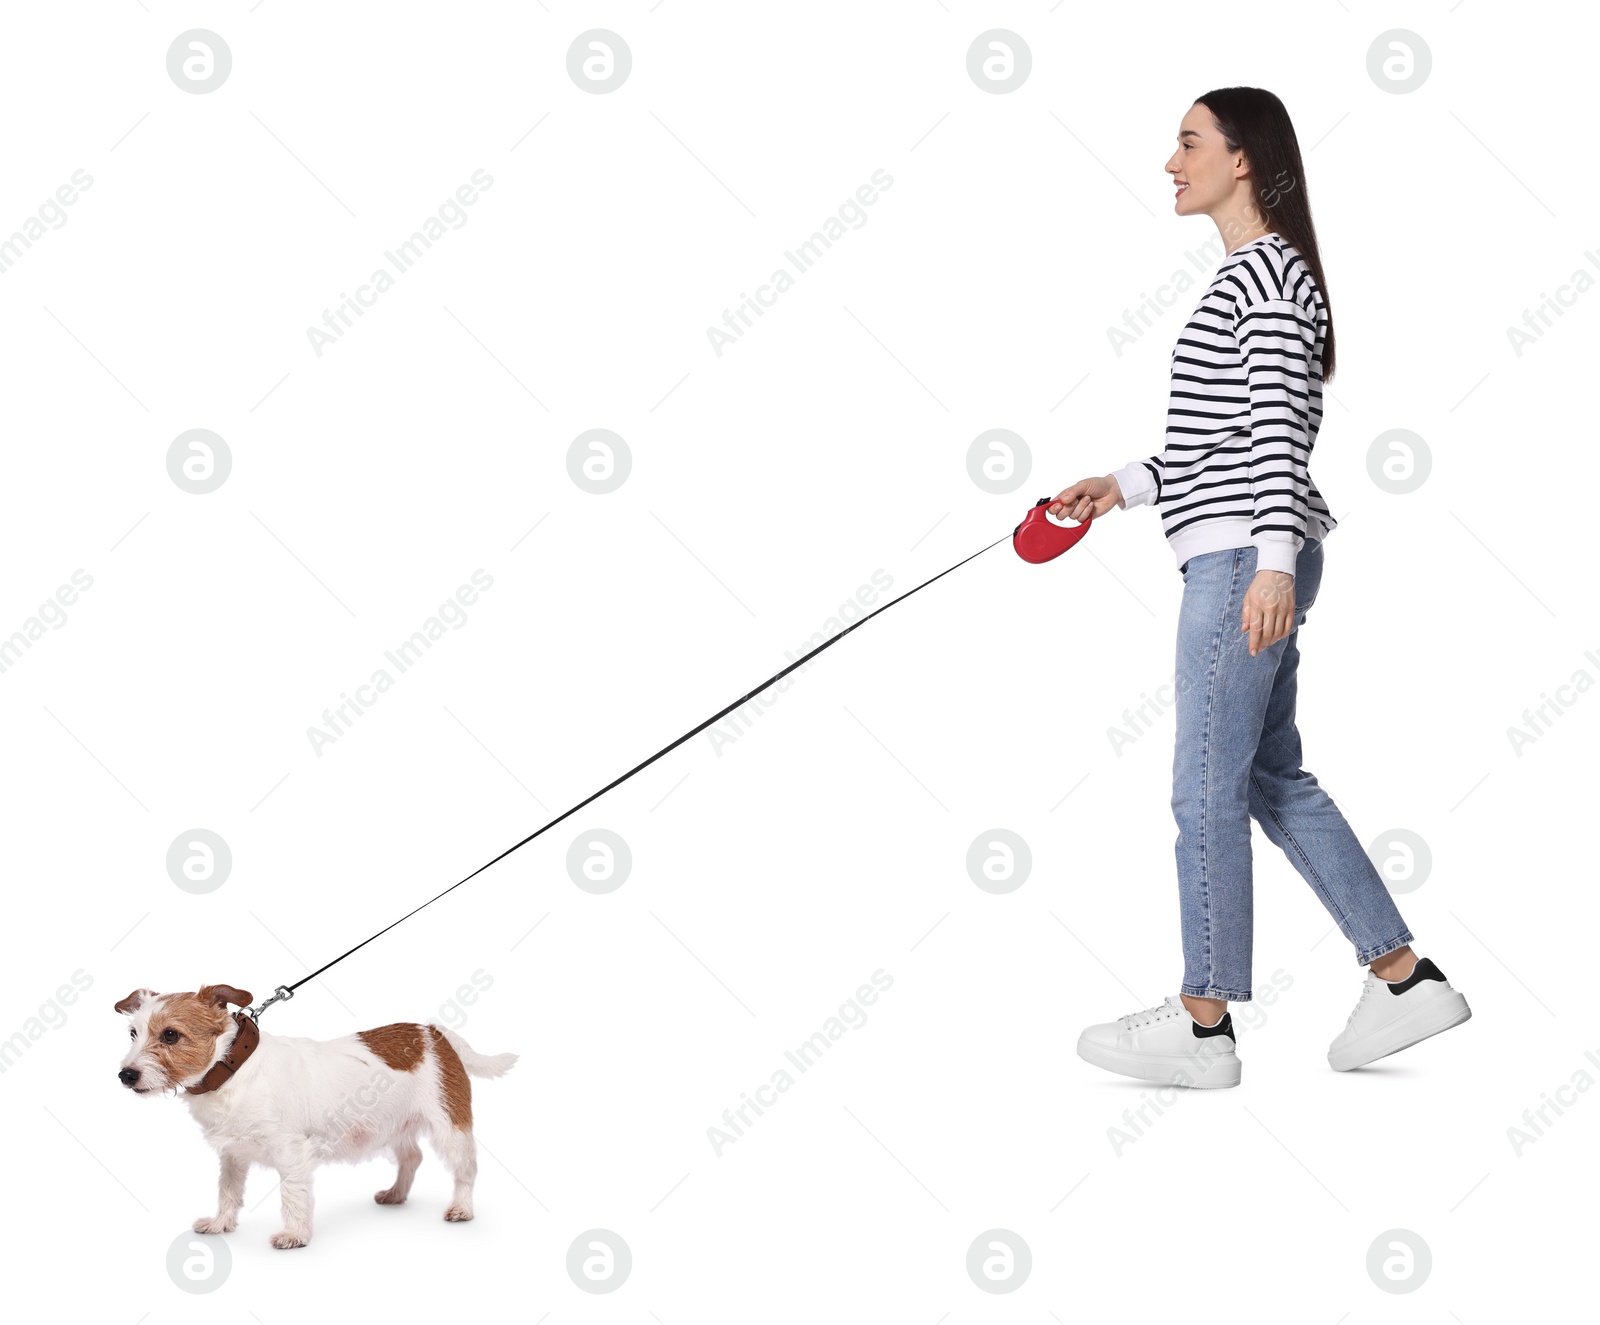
{"x":244,"y":1044}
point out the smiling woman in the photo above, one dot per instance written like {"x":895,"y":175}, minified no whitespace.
{"x":1246,"y":525}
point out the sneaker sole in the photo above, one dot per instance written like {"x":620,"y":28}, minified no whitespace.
{"x":1437,"y":1015}
{"x":1214,"y":1073}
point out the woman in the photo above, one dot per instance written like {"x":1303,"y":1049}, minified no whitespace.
{"x":1247,"y":526}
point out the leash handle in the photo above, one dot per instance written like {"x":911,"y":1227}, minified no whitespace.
{"x":1038,"y":539}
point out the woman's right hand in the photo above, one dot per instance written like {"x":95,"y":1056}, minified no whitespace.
{"x":1086,"y":497}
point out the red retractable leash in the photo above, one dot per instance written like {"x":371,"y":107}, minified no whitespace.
{"x":1037,"y":539}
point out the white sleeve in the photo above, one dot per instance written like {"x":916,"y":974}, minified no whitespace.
{"x":1139,"y":481}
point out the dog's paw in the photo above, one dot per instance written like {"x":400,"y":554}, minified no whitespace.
{"x":215,"y":1224}
{"x":458,"y":1214}
{"x":388,"y":1196}
{"x":284,"y":1241}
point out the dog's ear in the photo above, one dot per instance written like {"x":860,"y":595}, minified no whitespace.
{"x":133,"y":1001}
{"x":219,"y":996}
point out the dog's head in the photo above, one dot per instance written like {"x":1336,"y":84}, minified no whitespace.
{"x":173,"y":1037}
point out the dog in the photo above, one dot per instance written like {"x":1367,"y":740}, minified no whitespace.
{"x":293,"y":1104}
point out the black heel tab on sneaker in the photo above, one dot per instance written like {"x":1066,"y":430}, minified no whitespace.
{"x":1223,"y":1027}
{"x":1423,"y":970}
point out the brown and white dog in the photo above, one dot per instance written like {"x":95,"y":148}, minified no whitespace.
{"x":292,"y":1104}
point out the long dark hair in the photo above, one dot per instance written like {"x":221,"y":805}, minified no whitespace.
{"x":1252,"y":120}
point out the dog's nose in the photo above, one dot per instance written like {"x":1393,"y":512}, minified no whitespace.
{"x":128,"y":1076}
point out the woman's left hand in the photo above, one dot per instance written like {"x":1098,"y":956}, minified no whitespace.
{"x":1268,"y":609}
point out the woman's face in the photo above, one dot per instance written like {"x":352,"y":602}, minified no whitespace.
{"x":1203,"y":168}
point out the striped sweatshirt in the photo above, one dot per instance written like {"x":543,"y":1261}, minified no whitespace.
{"x":1243,"y":415}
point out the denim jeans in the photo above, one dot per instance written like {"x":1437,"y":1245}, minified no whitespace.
{"x":1238,"y":756}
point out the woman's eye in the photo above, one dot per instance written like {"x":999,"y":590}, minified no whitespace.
{"x":169,"y":1036}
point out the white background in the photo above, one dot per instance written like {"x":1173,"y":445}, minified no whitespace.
{"x":773,"y":874}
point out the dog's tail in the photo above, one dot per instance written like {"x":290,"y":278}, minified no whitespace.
{"x":478,"y":1065}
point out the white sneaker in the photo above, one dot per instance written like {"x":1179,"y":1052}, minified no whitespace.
{"x":1396,"y":1014}
{"x":1165,"y":1044}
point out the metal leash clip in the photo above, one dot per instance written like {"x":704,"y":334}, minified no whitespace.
{"x":279,"y":995}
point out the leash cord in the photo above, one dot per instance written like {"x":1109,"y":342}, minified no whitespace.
{"x":638,"y":768}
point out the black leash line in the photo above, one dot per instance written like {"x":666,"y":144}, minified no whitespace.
{"x":287,"y":991}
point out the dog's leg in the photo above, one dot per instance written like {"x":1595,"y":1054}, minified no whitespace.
{"x":460,"y":1155}
{"x":230,"y":1196}
{"x":294,"y":1173}
{"x":409,"y":1154}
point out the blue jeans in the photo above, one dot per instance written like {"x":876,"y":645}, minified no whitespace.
{"x":1238,"y":756}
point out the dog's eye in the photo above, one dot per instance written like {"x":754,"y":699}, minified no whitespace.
{"x":132,"y":1034}
{"x":169,"y":1036}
